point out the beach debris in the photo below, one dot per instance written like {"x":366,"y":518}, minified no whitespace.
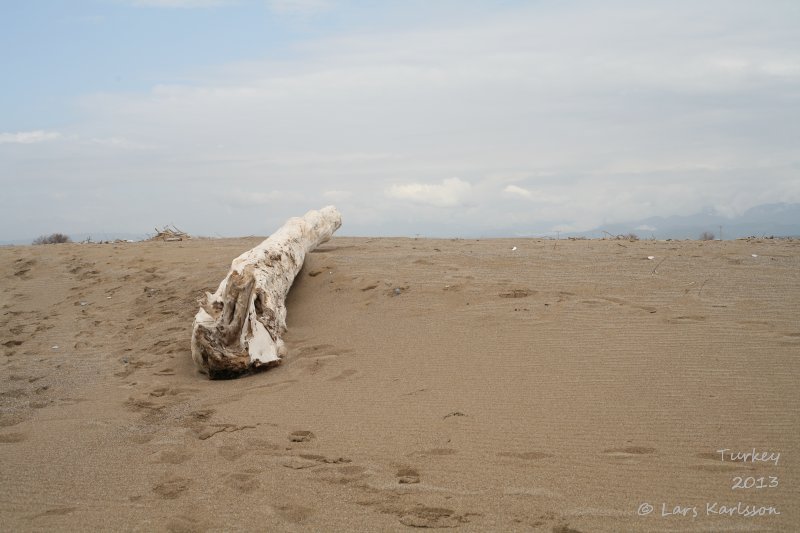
{"x":514,"y":249}
{"x":651,"y":257}
{"x":169,"y":234}
{"x":397,"y":291}
{"x":54,"y":347}
{"x":239,"y":327}
{"x":754,"y":255}
{"x":454,"y":413}
{"x":516,"y":293}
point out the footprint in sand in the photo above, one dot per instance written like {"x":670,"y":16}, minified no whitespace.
{"x":435,"y":452}
{"x":184,"y":524}
{"x":564,"y":528}
{"x":628,"y":451}
{"x":686,"y":319}
{"x":57,"y":511}
{"x":407,"y":476}
{"x":344,"y":374}
{"x":314,"y":350}
{"x":171,"y":487}
{"x":431,"y":517}
{"x":342,"y":475}
{"x":714,"y":463}
{"x":789,"y":339}
{"x":244,"y":482}
{"x":232,"y":452}
{"x":517,"y":293}
{"x":11,"y":438}
{"x":323,"y":459}
{"x":171,"y":457}
{"x":527,"y":456}
{"x":301,"y":436}
{"x":292,"y":512}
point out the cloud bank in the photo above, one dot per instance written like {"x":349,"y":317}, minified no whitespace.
{"x":28,"y":137}
{"x":554,"y":117}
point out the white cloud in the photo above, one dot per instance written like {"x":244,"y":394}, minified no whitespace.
{"x":29,"y":137}
{"x":517,"y":191}
{"x":451,"y":192}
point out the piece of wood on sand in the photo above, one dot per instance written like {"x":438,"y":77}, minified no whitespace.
{"x":239,"y":327}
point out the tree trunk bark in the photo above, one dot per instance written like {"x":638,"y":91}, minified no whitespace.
{"x":239,"y":327}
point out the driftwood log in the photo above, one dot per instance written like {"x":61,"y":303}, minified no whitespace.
{"x":239,"y":327}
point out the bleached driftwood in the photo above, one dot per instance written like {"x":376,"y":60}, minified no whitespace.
{"x":239,"y":327}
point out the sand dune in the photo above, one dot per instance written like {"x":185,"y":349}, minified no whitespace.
{"x":429,"y":384}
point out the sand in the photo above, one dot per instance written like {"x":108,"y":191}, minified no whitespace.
{"x":429,"y":384}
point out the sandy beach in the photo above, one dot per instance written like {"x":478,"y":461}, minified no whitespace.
{"x":564,"y":386}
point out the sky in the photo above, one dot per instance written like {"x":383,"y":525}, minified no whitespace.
{"x":430,"y":117}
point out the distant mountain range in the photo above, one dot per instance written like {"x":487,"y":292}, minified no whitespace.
{"x":779,"y":220}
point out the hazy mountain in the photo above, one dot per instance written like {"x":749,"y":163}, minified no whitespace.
{"x":780,"y":220}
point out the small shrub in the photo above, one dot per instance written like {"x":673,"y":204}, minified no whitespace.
{"x":707,"y":236}
{"x":53,"y":238}
{"x":631,"y":237}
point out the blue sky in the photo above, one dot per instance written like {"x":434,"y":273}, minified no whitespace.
{"x":433,"y":117}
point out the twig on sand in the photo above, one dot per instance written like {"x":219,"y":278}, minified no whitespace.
{"x":655,"y":270}
{"x":702,"y":285}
